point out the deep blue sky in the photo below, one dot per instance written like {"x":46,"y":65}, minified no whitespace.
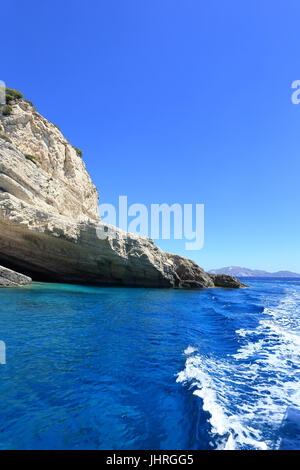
{"x":183,"y":101}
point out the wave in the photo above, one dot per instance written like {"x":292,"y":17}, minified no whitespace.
{"x":247,"y":394}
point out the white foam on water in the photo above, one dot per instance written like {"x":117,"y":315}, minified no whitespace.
{"x":247,"y":351}
{"x":189,"y":350}
{"x":247,"y":394}
{"x":207,"y":376}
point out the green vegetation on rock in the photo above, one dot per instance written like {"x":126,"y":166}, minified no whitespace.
{"x":78,"y":151}
{"x":56,"y":126}
{"x":6,"y":110}
{"x":12,"y":94}
{"x":5,"y":137}
{"x":32,"y":158}
{"x":29,"y":102}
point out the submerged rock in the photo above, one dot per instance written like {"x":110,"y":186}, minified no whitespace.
{"x":9,"y":278}
{"x":49,"y":217}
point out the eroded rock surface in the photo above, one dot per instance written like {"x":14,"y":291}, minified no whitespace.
{"x":42,"y":168}
{"x":9,"y":278}
{"x":224,"y":280}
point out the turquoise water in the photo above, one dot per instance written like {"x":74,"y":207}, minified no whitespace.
{"x":117,"y":368}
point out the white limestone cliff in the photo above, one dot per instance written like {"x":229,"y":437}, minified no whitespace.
{"x":58,"y":181}
{"x":49,"y":216}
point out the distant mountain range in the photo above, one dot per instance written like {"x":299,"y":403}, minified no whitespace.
{"x":237,"y":271}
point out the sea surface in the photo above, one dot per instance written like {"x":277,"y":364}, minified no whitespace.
{"x":118,"y":368}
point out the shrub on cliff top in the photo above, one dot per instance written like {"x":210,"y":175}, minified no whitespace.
{"x":7,"y":110}
{"x":13,"y":94}
{"x":78,"y":151}
{"x":9,"y":98}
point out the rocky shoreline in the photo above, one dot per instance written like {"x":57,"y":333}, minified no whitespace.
{"x":49,"y":218}
{"x":9,"y":278}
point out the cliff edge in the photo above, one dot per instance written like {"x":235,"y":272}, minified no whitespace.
{"x":49,"y":215}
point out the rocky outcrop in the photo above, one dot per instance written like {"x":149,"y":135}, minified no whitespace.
{"x":188,"y":273}
{"x":9,"y":278}
{"x":49,"y":222}
{"x":224,"y":280}
{"x":58,"y":248}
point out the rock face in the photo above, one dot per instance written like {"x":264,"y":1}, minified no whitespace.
{"x":49,"y":218}
{"x":224,"y":280}
{"x":9,"y":278}
{"x":59,"y":182}
{"x":52,"y":247}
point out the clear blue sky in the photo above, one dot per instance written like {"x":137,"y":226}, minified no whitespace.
{"x":183,"y":101}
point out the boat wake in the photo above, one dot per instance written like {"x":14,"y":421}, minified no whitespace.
{"x":248,"y":394}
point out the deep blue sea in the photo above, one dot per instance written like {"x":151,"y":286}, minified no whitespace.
{"x":118,"y":368}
